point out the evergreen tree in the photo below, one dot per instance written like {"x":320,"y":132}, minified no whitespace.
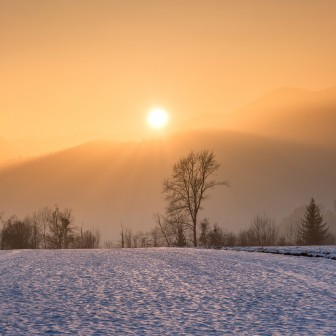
{"x":216,"y":237}
{"x":203,"y":239}
{"x":313,"y":231}
{"x":181,"y":240}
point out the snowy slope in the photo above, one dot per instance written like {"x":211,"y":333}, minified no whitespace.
{"x":165,"y":291}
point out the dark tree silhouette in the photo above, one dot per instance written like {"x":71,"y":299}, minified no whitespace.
{"x":216,"y":237}
{"x":189,"y":186}
{"x":17,"y":234}
{"x":89,"y":239}
{"x":313,"y":231}
{"x":60,"y":228}
{"x":171,"y":226}
{"x":181,"y":240}
{"x":263,"y":231}
{"x":205,"y":227}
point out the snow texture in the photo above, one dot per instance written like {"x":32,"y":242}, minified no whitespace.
{"x":165,"y":291}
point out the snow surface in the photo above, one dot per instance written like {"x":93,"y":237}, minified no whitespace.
{"x":165,"y":291}
{"x":328,"y":252}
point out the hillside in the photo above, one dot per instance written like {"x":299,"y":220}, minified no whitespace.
{"x":109,"y":183}
{"x":289,"y":114}
{"x":286,"y":114}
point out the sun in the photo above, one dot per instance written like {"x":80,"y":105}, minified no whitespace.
{"x":157,"y":118}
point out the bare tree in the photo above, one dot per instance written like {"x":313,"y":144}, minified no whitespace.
{"x":165,"y":228}
{"x":230,"y":239}
{"x":244,"y":238}
{"x":42,"y":220}
{"x":172,"y":226}
{"x":135,"y":240}
{"x":36,"y":230}
{"x":88,"y":239}
{"x":108,"y":244}
{"x":2,"y":232}
{"x":216,"y":237}
{"x":128,"y":237}
{"x":145,"y":239}
{"x":263,"y":231}
{"x":155,"y":236}
{"x":17,"y":234}
{"x":189,"y":186}
{"x":122,"y":242}
{"x":60,"y":228}
{"x":292,"y":233}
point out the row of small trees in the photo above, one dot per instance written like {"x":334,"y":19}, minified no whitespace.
{"x":50,"y":228}
{"x":262,"y":231}
{"x":54,"y":229}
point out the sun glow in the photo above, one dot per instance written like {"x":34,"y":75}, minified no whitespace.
{"x":157,"y":118}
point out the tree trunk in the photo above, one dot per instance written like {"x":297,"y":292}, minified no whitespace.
{"x":195,"y":233}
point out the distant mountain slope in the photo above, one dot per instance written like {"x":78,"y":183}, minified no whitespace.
{"x":110,"y":183}
{"x":291,"y":114}
{"x":18,"y":149}
{"x":287,"y":114}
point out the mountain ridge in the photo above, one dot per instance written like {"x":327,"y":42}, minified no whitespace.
{"x":287,"y":113}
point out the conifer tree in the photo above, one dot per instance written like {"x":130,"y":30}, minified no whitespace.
{"x":181,"y":240}
{"x":312,"y":230}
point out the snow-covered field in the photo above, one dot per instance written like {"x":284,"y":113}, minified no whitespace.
{"x":165,"y":291}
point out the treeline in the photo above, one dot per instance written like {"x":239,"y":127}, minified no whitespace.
{"x":263,"y":231}
{"x":53,"y":228}
{"x":48,"y":228}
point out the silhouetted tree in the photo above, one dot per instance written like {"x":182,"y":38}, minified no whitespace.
{"x":313,"y":231}
{"x":263,"y":231}
{"x":181,"y":240}
{"x":205,"y":226}
{"x":155,"y":236}
{"x":88,"y":239}
{"x":128,"y":237}
{"x":34,"y":222}
{"x":189,"y":186}
{"x":244,"y":238}
{"x":61,"y":230}
{"x":144,"y":238}
{"x":216,"y":237}
{"x":292,"y":233}
{"x":171,"y":226}
{"x":2,"y":232}
{"x":164,"y":227}
{"x":122,"y":241}
{"x":230,"y":239}
{"x":43,"y":216}
{"x":17,"y":234}
{"x":108,"y":244}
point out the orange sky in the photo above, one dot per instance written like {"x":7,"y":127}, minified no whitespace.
{"x":98,"y":66}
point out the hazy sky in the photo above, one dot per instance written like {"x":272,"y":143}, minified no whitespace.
{"x":71,"y":66}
